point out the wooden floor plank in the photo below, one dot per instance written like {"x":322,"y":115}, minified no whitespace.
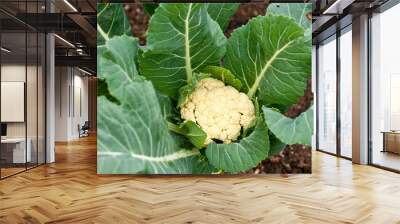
{"x":70,"y":191}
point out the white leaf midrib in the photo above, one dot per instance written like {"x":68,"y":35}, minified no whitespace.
{"x":166,"y":158}
{"x":188,"y":65}
{"x":263,"y":71}
{"x":102,"y":33}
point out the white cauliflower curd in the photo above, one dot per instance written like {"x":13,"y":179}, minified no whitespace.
{"x":221,"y":111}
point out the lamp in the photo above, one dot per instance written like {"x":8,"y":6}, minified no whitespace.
{"x":70,"y":5}
{"x":64,"y":40}
{"x":84,"y":71}
{"x":5,"y":50}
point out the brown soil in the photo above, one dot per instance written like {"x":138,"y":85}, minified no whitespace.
{"x":294,"y":158}
{"x":245,"y":12}
{"x":303,"y":103}
{"x":138,"y":19}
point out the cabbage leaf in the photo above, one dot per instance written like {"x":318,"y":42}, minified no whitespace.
{"x":288,"y":130}
{"x":181,"y":39}
{"x":272,"y":58}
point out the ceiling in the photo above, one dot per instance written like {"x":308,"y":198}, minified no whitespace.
{"x":74,"y":22}
{"x":332,"y":15}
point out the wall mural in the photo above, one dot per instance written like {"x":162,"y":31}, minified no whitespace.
{"x":202,"y":91}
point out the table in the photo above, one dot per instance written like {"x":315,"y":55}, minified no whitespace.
{"x":391,"y":141}
{"x":18,"y":150}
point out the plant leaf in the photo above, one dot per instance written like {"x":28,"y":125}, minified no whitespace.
{"x":102,"y":90}
{"x":224,"y":75}
{"x":276,"y":148}
{"x":222,"y":12}
{"x":271,"y":58}
{"x":290,"y":131}
{"x":134,"y":137}
{"x":242,"y":155}
{"x":194,"y":133}
{"x":117,"y":65}
{"x":297,"y":11}
{"x":181,"y":39}
{"x":191,"y":131}
{"x":111,"y":21}
{"x":166,"y":106}
{"x":150,"y":8}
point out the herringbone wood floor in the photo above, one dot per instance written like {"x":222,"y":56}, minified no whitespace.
{"x":69,"y":191}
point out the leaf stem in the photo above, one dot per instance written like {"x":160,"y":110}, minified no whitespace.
{"x":175,"y":128}
{"x":101,"y":31}
{"x":187,"y":47}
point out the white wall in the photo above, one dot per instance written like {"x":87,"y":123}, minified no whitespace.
{"x":62,"y":81}
{"x":71,"y":102}
{"x":15,"y":73}
{"x":33,"y":127}
{"x":80,"y":110}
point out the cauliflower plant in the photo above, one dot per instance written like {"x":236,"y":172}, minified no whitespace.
{"x":221,"y":111}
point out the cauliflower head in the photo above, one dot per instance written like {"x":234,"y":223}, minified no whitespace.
{"x":221,"y":111}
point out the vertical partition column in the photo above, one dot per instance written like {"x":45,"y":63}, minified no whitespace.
{"x":360,"y":90}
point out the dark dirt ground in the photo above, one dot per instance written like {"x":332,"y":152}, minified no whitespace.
{"x":294,"y":158}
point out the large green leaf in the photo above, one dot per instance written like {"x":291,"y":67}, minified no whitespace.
{"x":276,"y":148}
{"x":102,"y":90}
{"x":271,"y":57}
{"x":222,"y":12}
{"x":224,"y":75}
{"x":111,"y":21}
{"x":242,"y":155}
{"x":298,"y":11}
{"x":150,"y":8}
{"x":117,"y":65}
{"x":191,"y":131}
{"x":290,"y":131}
{"x":181,"y":39}
{"x":133,"y":137}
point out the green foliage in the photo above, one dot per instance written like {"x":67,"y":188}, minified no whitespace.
{"x":243,"y":155}
{"x":181,"y":39}
{"x":219,"y":12}
{"x":102,"y":90}
{"x":150,"y":8}
{"x":141,"y":88}
{"x":191,"y":131}
{"x":134,"y":138}
{"x":118,"y":66}
{"x":269,"y":55}
{"x":111,"y":21}
{"x":222,"y":12}
{"x":297,"y":11}
{"x":290,"y":131}
{"x":224,"y":75}
{"x":300,"y":12}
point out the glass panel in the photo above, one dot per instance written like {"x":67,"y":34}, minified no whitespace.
{"x":31,"y":97}
{"x":13,"y":86}
{"x":22,"y":88}
{"x":32,"y":88}
{"x":41,"y":99}
{"x":327,"y":96}
{"x":346,"y":94}
{"x":314,"y":70}
{"x":385,"y":86}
